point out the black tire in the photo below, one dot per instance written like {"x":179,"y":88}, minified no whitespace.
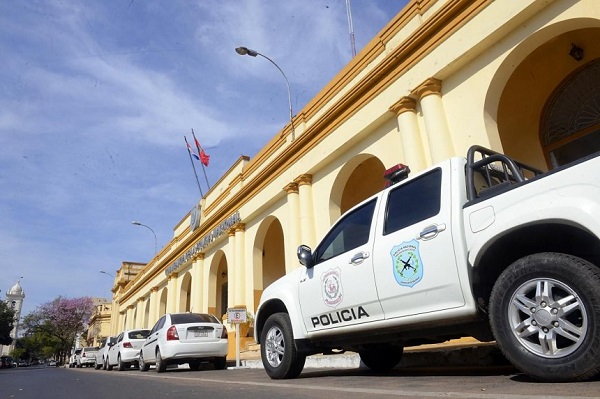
{"x":97,"y":366}
{"x":381,"y":357}
{"x":105,"y":364}
{"x":220,"y":363}
{"x":121,"y":366}
{"x":545,"y":316}
{"x":279,"y":354}
{"x":143,"y":366}
{"x":109,"y":366}
{"x":194,"y":365}
{"x":161,"y":364}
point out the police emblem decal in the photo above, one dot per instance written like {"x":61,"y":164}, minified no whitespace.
{"x":332,"y":291}
{"x":407,"y":264}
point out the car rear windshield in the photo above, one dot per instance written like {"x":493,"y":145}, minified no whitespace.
{"x":184,"y":318}
{"x":138,"y":334}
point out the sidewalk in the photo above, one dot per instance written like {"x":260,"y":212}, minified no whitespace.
{"x":456,"y":353}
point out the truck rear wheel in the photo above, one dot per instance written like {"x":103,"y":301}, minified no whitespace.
{"x":545,"y":315}
{"x":278,"y":352}
{"x":381,"y":357}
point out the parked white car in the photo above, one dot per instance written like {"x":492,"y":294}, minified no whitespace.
{"x":179,"y":338}
{"x":87,"y":357}
{"x":126,"y":351}
{"x":101,"y":355}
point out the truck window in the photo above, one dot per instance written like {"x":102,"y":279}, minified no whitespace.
{"x":414,"y":201}
{"x":351,"y":232}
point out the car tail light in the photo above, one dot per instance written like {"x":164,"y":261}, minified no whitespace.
{"x":172,"y":334}
{"x":224,"y":333}
{"x":127,"y":345}
{"x":83,"y":355}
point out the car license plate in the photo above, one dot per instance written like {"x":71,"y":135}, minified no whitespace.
{"x":198,"y":334}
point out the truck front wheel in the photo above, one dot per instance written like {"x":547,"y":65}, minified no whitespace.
{"x":545,"y":316}
{"x":278,"y":352}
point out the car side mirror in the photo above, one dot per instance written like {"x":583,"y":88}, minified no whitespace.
{"x":305,"y":256}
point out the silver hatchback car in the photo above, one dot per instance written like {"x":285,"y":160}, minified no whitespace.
{"x":179,"y":338}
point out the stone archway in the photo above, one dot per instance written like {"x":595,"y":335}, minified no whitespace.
{"x":540,"y":72}
{"x":268,"y":256}
{"x":359,"y":178}
{"x":185,"y":292}
{"x":218,"y":286}
{"x":162,"y":304}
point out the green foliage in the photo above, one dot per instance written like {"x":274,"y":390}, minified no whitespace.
{"x":7,"y":316}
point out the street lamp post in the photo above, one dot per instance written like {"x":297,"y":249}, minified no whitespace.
{"x":254,"y":53}
{"x":149,"y":228}
{"x":107,"y":273}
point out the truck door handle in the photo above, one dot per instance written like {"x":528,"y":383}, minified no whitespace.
{"x":358,"y":258}
{"x":432,"y":231}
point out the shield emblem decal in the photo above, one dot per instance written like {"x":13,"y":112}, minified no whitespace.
{"x":407,"y":264}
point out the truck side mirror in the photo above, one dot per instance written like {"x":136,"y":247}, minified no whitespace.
{"x":305,"y":256}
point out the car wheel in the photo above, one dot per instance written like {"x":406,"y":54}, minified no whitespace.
{"x":381,"y":357}
{"x":121,"y":366}
{"x":161,"y":364}
{"x":220,"y":363}
{"x":544,"y":313}
{"x":195,"y":365}
{"x":278,"y":352}
{"x":97,"y":366}
{"x":105,"y":364}
{"x":109,"y":366}
{"x":143,"y":365}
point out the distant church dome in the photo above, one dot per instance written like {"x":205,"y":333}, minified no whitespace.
{"x":16,"y":290}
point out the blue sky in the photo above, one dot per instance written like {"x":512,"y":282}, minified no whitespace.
{"x":96,"y":97}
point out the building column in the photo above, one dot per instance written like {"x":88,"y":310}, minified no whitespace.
{"x":292,"y":232}
{"x":153,"y":316}
{"x":141,"y":311}
{"x":434,"y":116}
{"x":232,"y":273}
{"x":197,"y":283}
{"x":130,"y":315}
{"x":122,"y":321}
{"x":307,"y":218}
{"x":242,"y":277}
{"x":172,"y":293}
{"x":410,"y":136}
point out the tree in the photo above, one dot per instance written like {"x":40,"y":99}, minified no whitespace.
{"x":61,"y":320}
{"x":7,"y":318}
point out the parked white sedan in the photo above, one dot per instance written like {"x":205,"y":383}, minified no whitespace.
{"x":102,"y":354}
{"x":125,"y":352}
{"x":179,"y":338}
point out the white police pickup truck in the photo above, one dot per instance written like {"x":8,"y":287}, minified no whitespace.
{"x":484,"y":247}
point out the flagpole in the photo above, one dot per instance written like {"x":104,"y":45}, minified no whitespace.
{"x":201,"y":163}
{"x":194,"y":167}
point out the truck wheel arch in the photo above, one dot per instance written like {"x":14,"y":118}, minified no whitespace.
{"x":503,"y":250}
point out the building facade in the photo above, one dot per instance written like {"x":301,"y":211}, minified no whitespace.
{"x":519,"y":77}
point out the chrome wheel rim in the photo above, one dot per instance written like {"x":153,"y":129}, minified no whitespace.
{"x":548,"y":318}
{"x":274,"y":346}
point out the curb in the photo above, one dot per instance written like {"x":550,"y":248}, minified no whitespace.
{"x":462,"y":355}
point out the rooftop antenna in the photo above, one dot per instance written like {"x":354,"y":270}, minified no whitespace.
{"x":351,"y":28}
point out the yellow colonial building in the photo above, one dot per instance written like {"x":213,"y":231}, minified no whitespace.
{"x":518,"y":76}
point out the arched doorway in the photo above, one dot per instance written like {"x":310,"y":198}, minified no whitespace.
{"x":541,"y":86}
{"x":359,"y":178}
{"x":269,"y":256}
{"x":218,"y":289}
{"x":570,"y":126}
{"x":185,"y":293}
{"x":162,"y":305}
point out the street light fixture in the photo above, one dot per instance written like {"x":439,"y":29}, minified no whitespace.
{"x":107,"y":273}
{"x":254,"y":53}
{"x":149,"y":228}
